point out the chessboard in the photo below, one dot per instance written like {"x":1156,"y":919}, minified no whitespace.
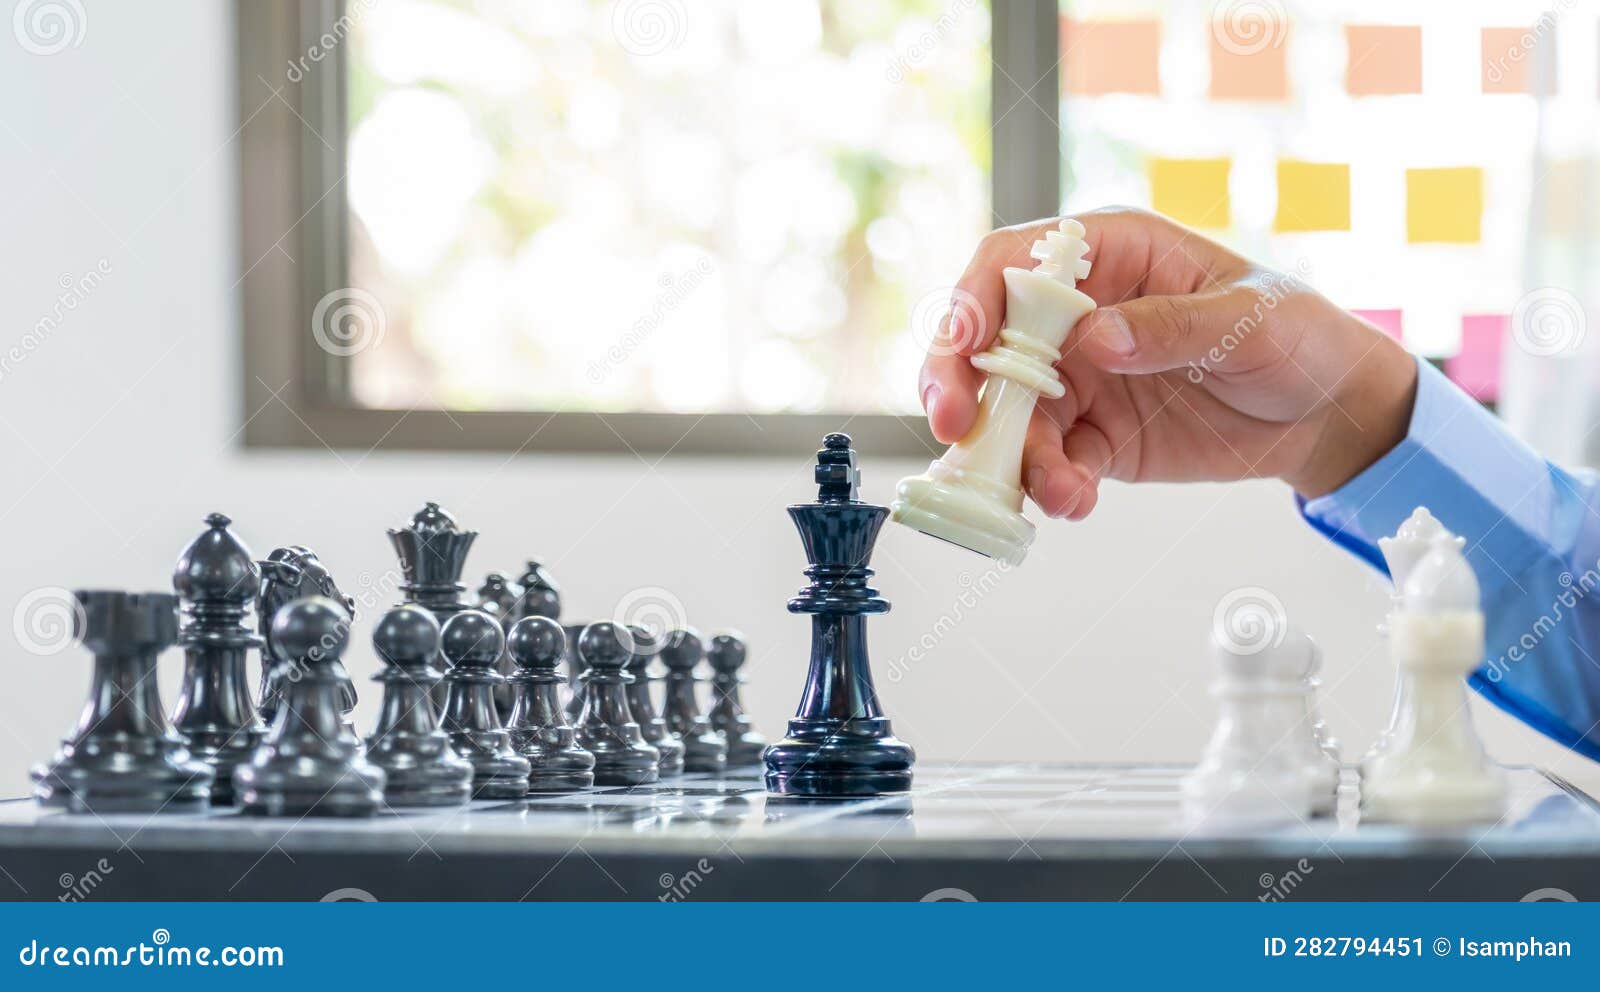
{"x":970,"y":832}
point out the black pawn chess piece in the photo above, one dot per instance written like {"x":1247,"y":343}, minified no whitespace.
{"x":498,"y":597}
{"x":539,"y":729}
{"x":472,"y":642}
{"x":839,"y":742}
{"x":541,"y":597}
{"x":704,"y":750}
{"x":605,"y":724}
{"x":123,"y":756}
{"x":433,"y":554}
{"x":288,"y":574}
{"x":310,"y":763}
{"x":423,"y":768}
{"x":574,"y":671}
{"x":218,"y":579}
{"x":642,"y":649}
{"x":727,"y":718}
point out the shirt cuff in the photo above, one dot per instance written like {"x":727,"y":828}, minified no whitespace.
{"x":1458,"y":460}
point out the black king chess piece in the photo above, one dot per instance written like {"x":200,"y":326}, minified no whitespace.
{"x":310,"y":763}
{"x":122,"y":756}
{"x":839,"y":742}
{"x":423,"y":769}
{"x":498,"y":597}
{"x":539,"y":729}
{"x":472,"y":642}
{"x":218,"y":580}
{"x":727,"y":655}
{"x":704,"y":750}
{"x":433,"y":553}
{"x":288,"y":574}
{"x":643,"y":646}
{"x":605,"y":724}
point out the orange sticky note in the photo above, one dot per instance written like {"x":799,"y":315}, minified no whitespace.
{"x":1099,"y":57}
{"x":1383,"y":59}
{"x":1249,"y":56}
{"x":1510,"y":56}
{"x":1192,"y":191}
{"x":1444,"y":205}
{"x":1313,"y":196}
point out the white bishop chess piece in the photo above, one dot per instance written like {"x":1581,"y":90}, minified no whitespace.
{"x":972,"y":497}
{"x":1434,"y":770}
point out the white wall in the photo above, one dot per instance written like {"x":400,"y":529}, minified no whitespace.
{"x":118,"y":433}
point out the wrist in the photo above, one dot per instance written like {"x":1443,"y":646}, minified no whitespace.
{"x":1367,"y":413}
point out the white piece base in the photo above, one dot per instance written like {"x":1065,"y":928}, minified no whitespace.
{"x":1260,"y":797}
{"x":966,"y":509}
{"x":1427,"y":800}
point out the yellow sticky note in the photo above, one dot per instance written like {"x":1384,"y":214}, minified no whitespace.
{"x":1192,"y":191}
{"x":1444,"y":205}
{"x":1313,"y":196}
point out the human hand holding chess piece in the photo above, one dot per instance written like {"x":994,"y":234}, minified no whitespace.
{"x":1197,"y":365}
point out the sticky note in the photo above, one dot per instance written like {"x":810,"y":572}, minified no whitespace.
{"x":1444,"y":205}
{"x":1510,"y":57}
{"x":1249,"y":55}
{"x":1099,"y":57}
{"x":1476,"y":366}
{"x":1568,"y":194}
{"x":1313,"y":196}
{"x":1383,"y":59}
{"x":1387,"y":321}
{"x":1192,"y":191}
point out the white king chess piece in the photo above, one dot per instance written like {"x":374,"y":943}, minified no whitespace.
{"x":1435,"y":770}
{"x":972,"y":497}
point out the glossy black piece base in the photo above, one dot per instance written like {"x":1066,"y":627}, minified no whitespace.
{"x":831,"y":758}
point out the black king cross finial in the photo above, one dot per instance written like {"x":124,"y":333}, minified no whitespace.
{"x":838,"y":479}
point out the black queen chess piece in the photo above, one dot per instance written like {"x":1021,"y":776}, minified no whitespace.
{"x":538,"y":727}
{"x":422,"y":767}
{"x":605,"y":724}
{"x":727,"y":656}
{"x":839,"y":742}
{"x":472,"y":642}
{"x":704,"y":750}
{"x":218,"y":580}
{"x":310,"y":763}
{"x":287,"y":574}
{"x":433,"y":554}
{"x":643,"y":646}
{"x":123,"y":756}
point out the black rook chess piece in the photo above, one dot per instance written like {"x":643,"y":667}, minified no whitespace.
{"x":643,"y":646}
{"x":423,"y":769}
{"x":472,"y":642}
{"x":498,"y":597}
{"x":839,"y":742}
{"x":288,"y":574}
{"x":122,"y":756}
{"x":605,"y":724}
{"x":218,"y":579}
{"x":539,"y":729}
{"x":311,"y":762}
{"x":727,"y":656}
{"x":433,"y":553}
{"x":704,"y":750}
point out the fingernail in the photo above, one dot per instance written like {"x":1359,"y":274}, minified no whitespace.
{"x":1112,"y":332}
{"x":930,"y":397}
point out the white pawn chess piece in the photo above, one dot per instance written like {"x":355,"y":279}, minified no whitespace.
{"x":1262,"y":765}
{"x":1435,"y":770}
{"x":1402,"y":552}
{"x":972,"y":496}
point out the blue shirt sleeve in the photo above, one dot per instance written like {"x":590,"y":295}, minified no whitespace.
{"x":1532,"y":536}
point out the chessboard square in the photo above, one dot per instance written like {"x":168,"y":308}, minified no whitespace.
{"x":1192,"y":191}
{"x":1383,"y":59}
{"x":1100,"y":57}
{"x":1313,"y":196}
{"x":1444,"y":205}
{"x":1250,"y":64}
{"x":1511,"y":56}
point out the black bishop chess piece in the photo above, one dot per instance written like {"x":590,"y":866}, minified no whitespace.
{"x":704,"y":750}
{"x":433,"y":554}
{"x":218,"y":579}
{"x":472,"y":642}
{"x":605,"y":724}
{"x":287,"y":574}
{"x":839,"y":742}
{"x":310,"y":763}
{"x":727,"y":655}
{"x":423,"y":768}
{"x":498,"y":597}
{"x":643,"y":646}
{"x":539,"y":729}
{"x":123,"y":756}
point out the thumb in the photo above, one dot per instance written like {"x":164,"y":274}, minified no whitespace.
{"x":1219,"y":330}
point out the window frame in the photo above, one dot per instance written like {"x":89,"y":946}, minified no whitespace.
{"x":293,"y":213}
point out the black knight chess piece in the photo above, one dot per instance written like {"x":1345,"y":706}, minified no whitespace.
{"x":643,"y":646}
{"x":310,"y":763}
{"x":123,"y":756}
{"x":498,"y":597}
{"x":218,"y":579}
{"x":423,"y":768}
{"x":539,"y":729}
{"x":727,"y":655}
{"x":839,"y":742}
{"x":433,"y":554}
{"x":704,"y":750}
{"x":472,"y":642}
{"x":288,"y":574}
{"x":605,"y":724}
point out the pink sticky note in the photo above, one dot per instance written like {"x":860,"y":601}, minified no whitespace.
{"x":1388,"y":321}
{"x":1476,"y":367}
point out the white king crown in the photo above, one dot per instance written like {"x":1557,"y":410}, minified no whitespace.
{"x":1061,"y":253}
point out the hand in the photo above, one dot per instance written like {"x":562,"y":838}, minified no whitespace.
{"x":1198,"y":365}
